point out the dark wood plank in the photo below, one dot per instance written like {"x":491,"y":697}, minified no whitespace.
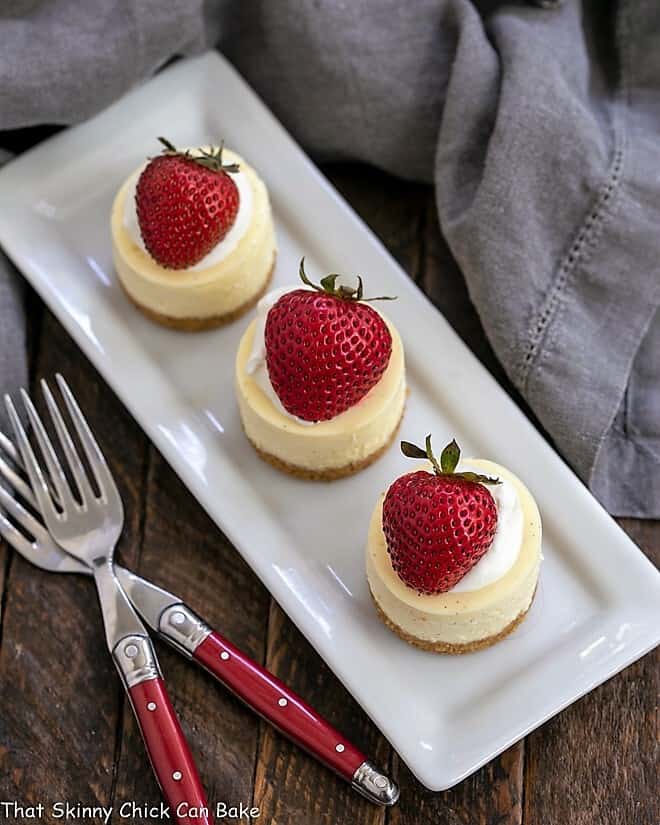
{"x":6,"y":558}
{"x":6,"y":553}
{"x":34,"y":314}
{"x":290,"y":786}
{"x":646,"y":534}
{"x":492,"y":796}
{"x":186,"y":553}
{"x":596,"y":763}
{"x":58,"y":689}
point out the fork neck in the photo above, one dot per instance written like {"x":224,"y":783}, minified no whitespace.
{"x":119,"y":617}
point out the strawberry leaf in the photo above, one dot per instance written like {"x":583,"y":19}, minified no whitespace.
{"x":169,"y":146}
{"x":469,"y":476}
{"x":412,"y":450}
{"x":209,"y":160}
{"x":328,"y":283}
{"x":449,"y":457}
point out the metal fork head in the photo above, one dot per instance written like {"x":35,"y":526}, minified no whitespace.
{"x":87,"y":525}
{"x":23,"y":530}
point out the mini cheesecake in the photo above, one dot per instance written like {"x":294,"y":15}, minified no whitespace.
{"x":328,"y":449}
{"x":488,"y":601}
{"x":220,"y":287}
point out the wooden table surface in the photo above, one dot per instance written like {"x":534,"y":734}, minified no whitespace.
{"x":66,"y":732}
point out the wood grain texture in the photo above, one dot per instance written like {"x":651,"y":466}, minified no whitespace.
{"x":290,"y":786}
{"x":492,"y":796}
{"x":13,"y":773}
{"x":5,"y":561}
{"x":597,"y":762}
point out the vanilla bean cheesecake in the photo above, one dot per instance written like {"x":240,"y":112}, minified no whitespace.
{"x":193,"y":238}
{"x":453,"y":553}
{"x":320,"y":380}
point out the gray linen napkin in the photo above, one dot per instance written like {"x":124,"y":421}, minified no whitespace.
{"x":538,"y":127}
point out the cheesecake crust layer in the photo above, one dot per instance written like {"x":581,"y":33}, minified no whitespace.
{"x":446,"y":647}
{"x":331,"y":473}
{"x":201,"y":324}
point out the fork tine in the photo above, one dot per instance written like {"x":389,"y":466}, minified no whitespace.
{"x":35,"y":474}
{"x":17,"y":483}
{"x":92,"y":450}
{"x":9,"y":504}
{"x":55,"y":471}
{"x":75,"y":464}
{"x":13,"y":536}
{"x":8,"y":446}
{"x":16,"y":479}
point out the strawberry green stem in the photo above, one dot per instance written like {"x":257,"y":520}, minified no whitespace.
{"x":346,"y":293}
{"x":208,"y":159}
{"x":449,"y":459}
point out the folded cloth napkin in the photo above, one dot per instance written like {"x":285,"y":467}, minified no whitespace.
{"x":538,"y":127}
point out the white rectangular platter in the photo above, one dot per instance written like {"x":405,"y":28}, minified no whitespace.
{"x":598,"y":605}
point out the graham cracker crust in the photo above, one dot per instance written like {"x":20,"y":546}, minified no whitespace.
{"x":199,"y":324}
{"x":331,"y":474}
{"x":445,"y":647}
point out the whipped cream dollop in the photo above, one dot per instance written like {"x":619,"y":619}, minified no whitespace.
{"x":224,"y":247}
{"x":256,"y":366}
{"x":503,"y":552}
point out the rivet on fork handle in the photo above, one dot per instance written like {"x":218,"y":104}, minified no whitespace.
{"x":135,"y":660}
{"x":375,"y":785}
{"x":183,"y":628}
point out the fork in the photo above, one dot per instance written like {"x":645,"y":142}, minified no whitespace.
{"x":183,"y":629}
{"x":88,"y":529}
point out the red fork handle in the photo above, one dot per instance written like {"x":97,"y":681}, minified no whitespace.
{"x":169,"y":753}
{"x":273,"y":700}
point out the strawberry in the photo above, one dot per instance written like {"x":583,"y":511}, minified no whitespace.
{"x":325,"y":348}
{"x":185,"y":204}
{"x":438,"y":525}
